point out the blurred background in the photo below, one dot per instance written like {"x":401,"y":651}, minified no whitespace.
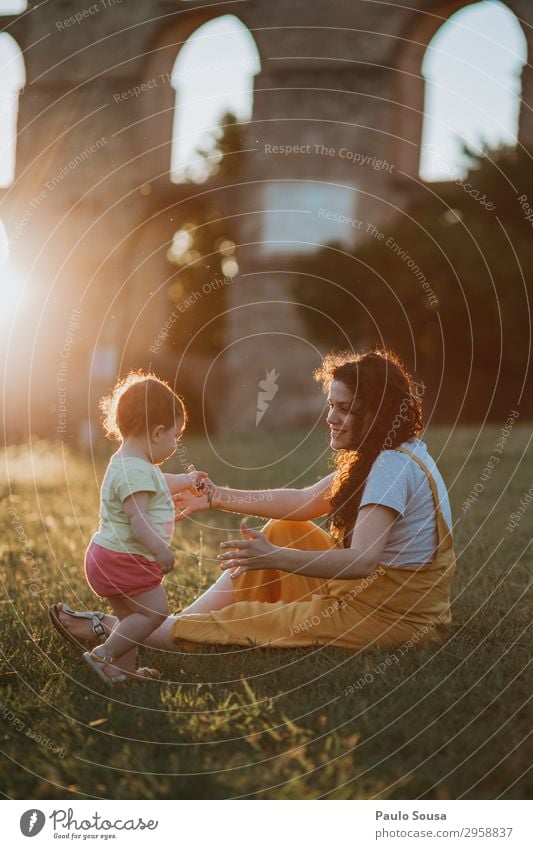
{"x":223,"y":193}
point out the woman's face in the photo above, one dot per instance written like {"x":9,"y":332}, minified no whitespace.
{"x":344,"y":417}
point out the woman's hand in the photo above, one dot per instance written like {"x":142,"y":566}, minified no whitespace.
{"x":188,"y":502}
{"x":255,"y":551}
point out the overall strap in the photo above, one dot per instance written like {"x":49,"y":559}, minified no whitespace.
{"x":444,"y":534}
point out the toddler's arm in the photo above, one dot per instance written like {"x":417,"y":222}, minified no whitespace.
{"x":191,"y":480}
{"x":136,"y":509}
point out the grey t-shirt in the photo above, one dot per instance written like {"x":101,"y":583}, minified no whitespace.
{"x":397,"y":481}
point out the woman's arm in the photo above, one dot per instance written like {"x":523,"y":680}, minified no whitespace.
{"x":297,"y":504}
{"x":371,"y":531}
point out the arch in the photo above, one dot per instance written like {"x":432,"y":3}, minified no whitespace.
{"x":410,"y":84}
{"x":212,"y":75}
{"x":160,"y":106}
{"x":12,"y":81}
{"x":13,"y":7}
{"x":472,"y":87}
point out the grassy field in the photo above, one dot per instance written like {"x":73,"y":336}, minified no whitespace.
{"x":265,"y":723}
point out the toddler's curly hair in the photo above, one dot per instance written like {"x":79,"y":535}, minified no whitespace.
{"x":138,"y":403}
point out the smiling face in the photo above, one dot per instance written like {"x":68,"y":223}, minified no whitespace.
{"x":344,"y":417}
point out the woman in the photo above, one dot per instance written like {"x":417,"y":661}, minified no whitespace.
{"x":381,"y":577}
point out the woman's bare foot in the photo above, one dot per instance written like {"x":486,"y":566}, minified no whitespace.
{"x":81,"y":629}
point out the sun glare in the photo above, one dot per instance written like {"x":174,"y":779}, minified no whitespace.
{"x":11,"y":293}
{"x":12,"y":80}
{"x":11,"y":284}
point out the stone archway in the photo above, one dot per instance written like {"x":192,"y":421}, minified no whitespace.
{"x":159,"y":106}
{"x":409,"y":84}
{"x":213,"y":75}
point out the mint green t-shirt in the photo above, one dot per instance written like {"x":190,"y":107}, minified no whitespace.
{"x":125,"y":476}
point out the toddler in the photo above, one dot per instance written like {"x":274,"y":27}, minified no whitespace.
{"x":128,"y":556}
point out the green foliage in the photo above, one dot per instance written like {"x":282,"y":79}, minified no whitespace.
{"x":221,"y":157}
{"x":264,"y":723}
{"x":447,"y":284}
{"x":204,"y":252}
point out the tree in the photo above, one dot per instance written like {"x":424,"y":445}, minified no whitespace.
{"x":204,"y":251}
{"x":448,"y":286}
{"x":221,"y":155}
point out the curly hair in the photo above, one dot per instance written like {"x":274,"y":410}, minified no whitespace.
{"x":387,"y":393}
{"x":138,"y":403}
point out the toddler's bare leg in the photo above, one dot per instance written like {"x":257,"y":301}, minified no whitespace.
{"x":217,"y":596}
{"x":139,"y":615}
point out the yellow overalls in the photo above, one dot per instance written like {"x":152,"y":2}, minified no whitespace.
{"x":391,"y":607}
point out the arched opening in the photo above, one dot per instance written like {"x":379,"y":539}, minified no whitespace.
{"x":213,"y":75}
{"x":407,"y":124}
{"x":13,"y":7}
{"x":12,"y":80}
{"x":472,"y":71}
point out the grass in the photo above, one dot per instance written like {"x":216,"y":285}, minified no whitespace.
{"x":265,"y":723}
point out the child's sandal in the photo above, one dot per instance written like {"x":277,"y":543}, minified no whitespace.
{"x":98,"y":660}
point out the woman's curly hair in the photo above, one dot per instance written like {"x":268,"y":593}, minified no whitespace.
{"x":388,"y":394}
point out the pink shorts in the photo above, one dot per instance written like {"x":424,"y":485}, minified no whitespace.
{"x":117,"y":573}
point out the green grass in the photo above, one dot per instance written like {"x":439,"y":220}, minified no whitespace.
{"x":265,"y":723}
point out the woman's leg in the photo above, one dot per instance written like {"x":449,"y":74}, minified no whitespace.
{"x":273,"y":585}
{"x":162,"y":637}
{"x":267,"y":585}
{"x":218,"y":595}
{"x":281,"y":532}
{"x":81,"y":629}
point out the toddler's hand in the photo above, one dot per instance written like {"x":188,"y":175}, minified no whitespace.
{"x":198,"y":479}
{"x":165,"y":559}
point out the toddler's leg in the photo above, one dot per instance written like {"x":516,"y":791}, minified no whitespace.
{"x":139,"y":616}
{"x":121,"y":610}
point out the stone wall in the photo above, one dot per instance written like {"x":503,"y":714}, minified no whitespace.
{"x":340,"y":88}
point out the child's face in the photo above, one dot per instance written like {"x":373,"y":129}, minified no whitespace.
{"x":163,"y":441}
